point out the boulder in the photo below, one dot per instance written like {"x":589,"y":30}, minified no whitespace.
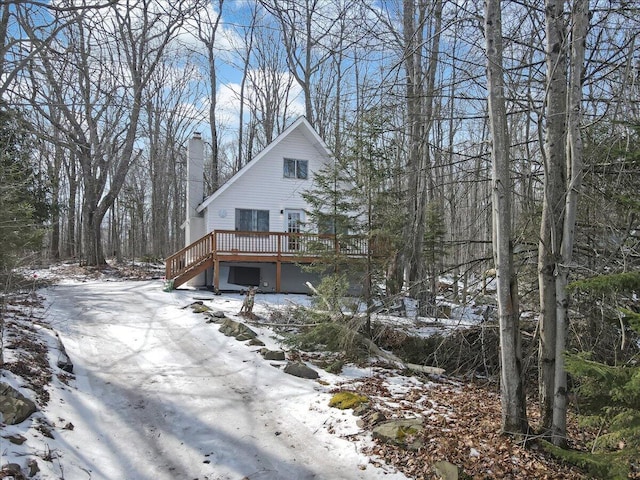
{"x":13,"y":471}
{"x":32,"y":466}
{"x":238,"y":330}
{"x":446,"y":470}
{"x":272,"y":354}
{"x":404,"y":432}
{"x":14,"y":407}
{"x":199,"y":308}
{"x":345,"y":399}
{"x":16,"y":439}
{"x":298,"y":369}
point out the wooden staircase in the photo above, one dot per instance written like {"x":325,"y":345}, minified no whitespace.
{"x":192,"y":260}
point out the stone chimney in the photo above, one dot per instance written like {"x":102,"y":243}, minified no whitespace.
{"x":195,"y":189}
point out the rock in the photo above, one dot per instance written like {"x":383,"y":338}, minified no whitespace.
{"x":254,"y":342}
{"x":33,"y":467}
{"x":272,"y":354}
{"x":345,"y":399}
{"x":361,"y":409}
{"x":298,"y":369}
{"x":199,"y":302}
{"x":446,"y":470}
{"x":199,"y":308}
{"x":45,"y":429}
{"x":371,"y":418}
{"x":12,"y":470}
{"x":403,"y":432}
{"x":14,"y":407}
{"x":238,"y":330}
{"x":218,"y":314}
{"x":376,"y":417}
{"x":211,"y":319}
{"x":16,"y":439}
{"x":425,"y":369}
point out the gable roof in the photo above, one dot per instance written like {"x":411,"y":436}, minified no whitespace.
{"x":301,"y":124}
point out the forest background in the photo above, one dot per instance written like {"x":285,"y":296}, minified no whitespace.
{"x":100,"y":98}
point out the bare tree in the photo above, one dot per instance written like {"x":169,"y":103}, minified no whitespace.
{"x":98,"y":82}
{"x":247,"y":52}
{"x":553,"y":200}
{"x":17,"y":49}
{"x":513,"y":399}
{"x":168,"y":120}
{"x":307,"y":28}
{"x":207,"y":23}
{"x":269,"y":90}
{"x":563,"y":177}
{"x":420,"y":67}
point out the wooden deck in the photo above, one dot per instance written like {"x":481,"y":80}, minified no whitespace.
{"x":272,"y":247}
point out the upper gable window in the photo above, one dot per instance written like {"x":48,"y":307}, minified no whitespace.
{"x":296,"y":168}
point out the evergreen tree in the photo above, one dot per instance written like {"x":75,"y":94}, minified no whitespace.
{"x":334,"y":215}
{"x":23,"y":206}
{"x":608,"y":386}
{"x":434,"y":251}
{"x":354,"y":206}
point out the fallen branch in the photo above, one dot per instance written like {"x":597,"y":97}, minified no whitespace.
{"x":425,"y":369}
{"x":370,"y":344}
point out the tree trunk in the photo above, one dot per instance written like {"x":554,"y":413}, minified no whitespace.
{"x":71,"y":243}
{"x":418,"y":162}
{"x":54,"y":178}
{"x":551,"y":227}
{"x":207,"y":30}
{"x":580,"y":24}
{"x":93,"y":253}
{"x":215,"y":180}
{"x":514,"y":416}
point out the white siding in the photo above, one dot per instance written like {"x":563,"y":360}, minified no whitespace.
{"x":263,"y":186}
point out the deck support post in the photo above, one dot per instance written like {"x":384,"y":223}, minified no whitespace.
{"x":216,"y":274}
{"x":213,"y":239}
{"x":278,"y":275}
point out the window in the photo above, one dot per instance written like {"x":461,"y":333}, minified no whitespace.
{"x":330,"y":224}
{"x":248,"y":276}
{"x":326,"y":225}
{"x":252,"y":220}
{"x":296,"y":168}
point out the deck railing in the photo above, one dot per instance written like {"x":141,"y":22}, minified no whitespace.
{"x":230,"y":242}
{"x":221,"y":244}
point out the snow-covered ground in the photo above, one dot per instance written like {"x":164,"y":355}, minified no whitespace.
{"x":159,"y":393}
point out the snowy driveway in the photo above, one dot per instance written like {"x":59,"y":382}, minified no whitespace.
{"x":161,"y":394}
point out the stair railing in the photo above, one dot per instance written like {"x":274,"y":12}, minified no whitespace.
{"x":189,"y":256}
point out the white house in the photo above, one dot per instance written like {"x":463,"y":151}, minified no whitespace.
{"x":253,"y":230}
